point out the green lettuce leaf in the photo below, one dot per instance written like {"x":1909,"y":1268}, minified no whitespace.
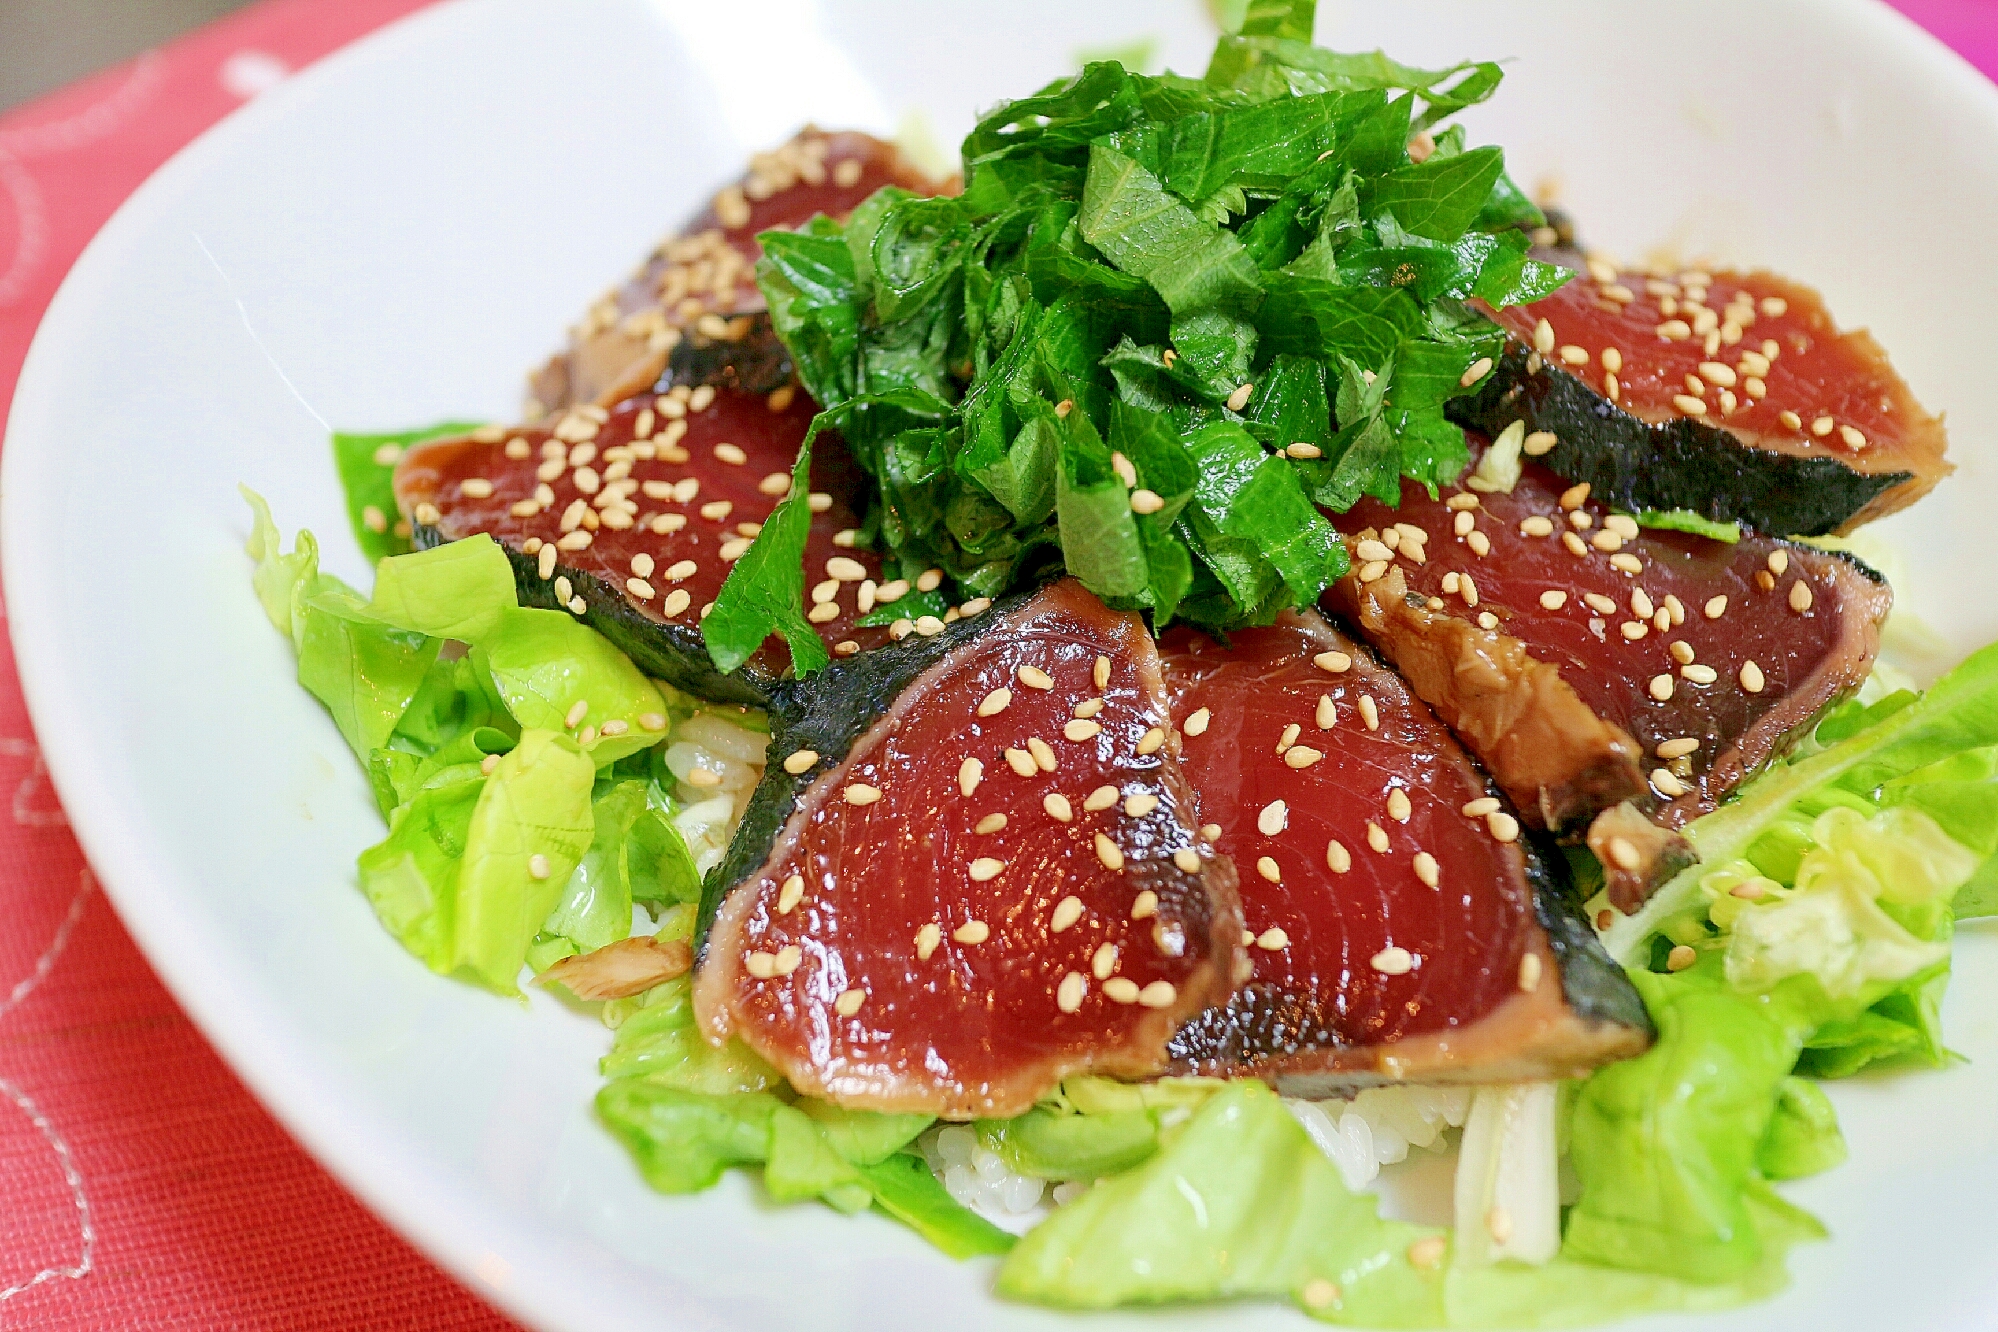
{"x":1049,"y":1144}
{"x":1239,"y":1202}
{"x":366,"y":467}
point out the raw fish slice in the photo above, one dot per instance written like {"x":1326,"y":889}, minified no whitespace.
{"x":631,"y":518}
{"x":697,"y":291}
{"x":1399,"y":924}
{"x":971,"y":870}
{"x":1732,"y":395}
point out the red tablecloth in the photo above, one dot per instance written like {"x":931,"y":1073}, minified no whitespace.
{"x":140,"y":1185}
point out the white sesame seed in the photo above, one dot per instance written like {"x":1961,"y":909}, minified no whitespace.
{"x":1689,"y":405}
{"x":1680,"y":958}
{"x":1081,"y":729}
{"x":1660,"y":688}
{"x":800,"y":760}
{"x":1775,"y":306}
{"x":1370,"y":712}
{"x":1196,"y":723}
{"x":1240,"y":397}
{"x":1393,"y":961}
{"x":1144,"y":904}
{"x":1502,"y":826}
{"x":1667,"y":782}
{"x":1377,"y":837}
{"x":1398,"y":807}
{"x":1066,"y":913}
{"x":1478,"y":370}
{"x":849,"y":1003}
{"x":1626,"y":563}
{"x":1800,"y":596}
{"x":676,"y":601}
{"x":859,"y":793}
{"x":1677,"y":748}
{"x":972,"y":932}
{"x":1300,"y":449}
{"x":1268,"y":868}
{"x":760,"y":965}
{"x":1100,"y":799}
{"x":1573,"y":355}
{"x":1043,"y":754}
{"x":1140,"y":804}
{"x":1273,"y":939}
{"x":1151,"y":741}
{"x":986,"y":868}
{"x":1426,"y":869}
{"x":1752,"y":678}
{"x":1543,"y":337}
{"x":1536,"y":525}
{"x":927,"y":939}
{"x":1273,"y":819}
{"x":1035,"y":678}
{"x":1108,"y":852}
{"x":1159,"y":994}
{"x":1069,"y":994}
{"x":537,"y":866}
{"x":1146,"y":501}
{"x":1187,"y":859}
{"x":790,"y":894}
{"x":1337,"y":858}
{"x":846,"y":569}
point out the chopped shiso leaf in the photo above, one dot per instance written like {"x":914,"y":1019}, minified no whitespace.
{"x":1258,"y":278}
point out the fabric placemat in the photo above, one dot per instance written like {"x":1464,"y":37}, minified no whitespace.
{"x":143,"y":1186}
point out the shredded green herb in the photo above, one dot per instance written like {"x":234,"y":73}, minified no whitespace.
{"x":1166,"y":324}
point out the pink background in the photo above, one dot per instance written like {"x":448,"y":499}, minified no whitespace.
{"x":143,"y":1186}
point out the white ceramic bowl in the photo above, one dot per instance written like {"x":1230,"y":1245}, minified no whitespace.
{"x":394,"y":236}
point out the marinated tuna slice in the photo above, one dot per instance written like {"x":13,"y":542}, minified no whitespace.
{"x":1400,"y":925}
{"x":1733,"y":396}
{"x":699,"y":286}
{"x":630,"y":518}
{"x":971,"y":870}
{"x":1696,"y":658}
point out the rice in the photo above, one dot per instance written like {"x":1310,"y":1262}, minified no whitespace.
{"x":1378,"y":1126}
{"x":731,"y":759}
{"x":978,"y":1178}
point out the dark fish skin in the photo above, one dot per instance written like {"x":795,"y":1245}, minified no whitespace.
{"x":1634,"y":466}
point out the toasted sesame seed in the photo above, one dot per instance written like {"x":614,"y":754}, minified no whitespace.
{"x":1674,"y":329}
{"x":1159,"y":994}
{"x":545,"y":562}
{"x":1021,"y":762}
{"x":1393,"y":961}
{"x":1822,"y":426}
{"x":986,"y":868}
{"x":1633,"y":630}
{"x":1066,"y":913}
{"x":969,"y":774}
{"x":1483,"y":805}
{"x":1553,"y":599}
{"x":1144,"y":904}
{"x":1273,"y":939}
{"x":1611,"y":388}
{"x":760,"y":965}
{"x":1536,"y":525}
{"x":1775,"y":306}
{"x":1626,"y":563}
{"x":1337,"y":858}
{"x":1681,"y":958}
{"x":1101,"y":673}
{"x":1290,"y":734}
{"x":1326,"y":714}
{"x":1689,"y":405}
{"x":1187,"y":859}
{"x":1677,"y":748}
{"x":1779,"y":562}
{"x":1752,"y":678}
{"x":1300,"y":449}
{"x":1370,"y":712}
{"x":1377,"y":837}
{"x":1273,"y":819}
{"x":1371,"y":549}
{"x":927,"y":939}
{"x":1100,"y":799}
{"x":1146,"y":501}
{"x":1698,"y":674}
{"x":577,"y":711}
{"x":1069,"y":994}
{"x":1043,"y":753}
{"x":928,"y":626}
{"x":1852,"y":437}
{"x":1035,"y":678}
{"x":1108,"y":852}
{"x":1267,"y":867}
{"x":1373,"y":571}
{"x":800,"y":760}
{"x":1081,"y":729}
{"x":1667,"y":783}
{"x":1478,"y":370}
{"x":1426,"y":868}
{"x":990,"y":824}
{"x":790,"y":894}
{"x":1398,"y":807}
{"x":972,"y":932}
{"x":1140,"y":803}
{"x":1543,"y":337}
{"x":1319,"y":1293}
{"x":1800,"y":596}
{"x":1151,"y":741}
{"x":537,"y":866}
{"x":849,"y":1003}
{"x":1575,"y":544}
{"x":639,"y":588}
{"x":859,"y":793}
{"x":1460,"y":501}
{"x":1623,"y":853}
{"x":846,"y":569}
{"x":1502,"y":826}
{"x":1196,"y":722}
{"x":676,"y":601}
